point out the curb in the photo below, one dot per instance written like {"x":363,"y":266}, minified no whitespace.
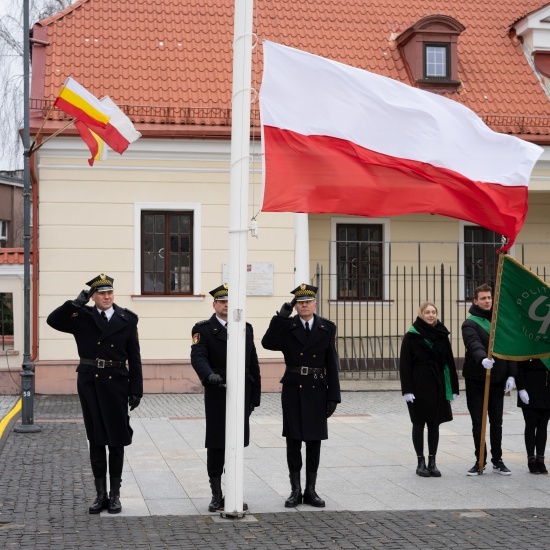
{"x":8,"y":421}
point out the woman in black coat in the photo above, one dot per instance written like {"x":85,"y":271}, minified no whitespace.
{"x":534,"y":399}
{"x":428,"y":381}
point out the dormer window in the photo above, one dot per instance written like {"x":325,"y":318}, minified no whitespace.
{"x":429,"y":49}
{"x":436,"y":61}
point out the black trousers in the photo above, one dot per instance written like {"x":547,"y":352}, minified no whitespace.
{"x":215,"y":460}
{"x":294,"y":455}
{"x":475,"y":390}
{"x":98,"y":459}
{"x":536,"y":430}
{"x":418,"y":438}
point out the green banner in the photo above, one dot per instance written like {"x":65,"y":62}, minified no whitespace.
{"x":521,"y":314}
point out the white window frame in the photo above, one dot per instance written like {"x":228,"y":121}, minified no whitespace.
{"x":4,"y":231}
{"x":197,"y":248}
{"x":385,"y":222}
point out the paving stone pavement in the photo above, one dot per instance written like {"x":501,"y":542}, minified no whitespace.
{"x":374,"y":499}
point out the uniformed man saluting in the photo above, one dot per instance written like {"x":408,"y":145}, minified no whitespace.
{"x":109,"y":379}
{"x":311,"y":388}
{"x":209,"y":359}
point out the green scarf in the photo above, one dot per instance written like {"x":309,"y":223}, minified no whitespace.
{"x":446,"y":372}
{"x":485,"y":324}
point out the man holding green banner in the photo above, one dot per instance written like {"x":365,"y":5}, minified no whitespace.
{"x":476,"y":331}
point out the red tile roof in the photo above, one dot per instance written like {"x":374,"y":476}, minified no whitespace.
{"x":172,"y":60}
{"x":12,"y":256}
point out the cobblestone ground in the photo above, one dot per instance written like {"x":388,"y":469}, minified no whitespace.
{"x":46,"y":486}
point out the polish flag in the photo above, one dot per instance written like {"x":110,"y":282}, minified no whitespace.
{"x":337,"y":139}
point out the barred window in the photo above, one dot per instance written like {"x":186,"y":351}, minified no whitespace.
{"x":480,"y":258}
{"x":359,"y":251}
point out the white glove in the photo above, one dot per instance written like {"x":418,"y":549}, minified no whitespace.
{"x":524,"y":396}
{"x":487,"y":363}
{"x":455,"y":395}
{"x":409,"y":397}
{"x":510,"y":384}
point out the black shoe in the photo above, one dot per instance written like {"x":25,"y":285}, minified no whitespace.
{"x":102,"y":500}
{"x":296,"y":496}
{"x":540,"y":464}
{"x":421,"y":469}
{"x":500,"y":468}
{"x":310,"y":496}
{"x":532,"y":465}
{"x":114,"y":496}
{"x":475,"y":471}
{"x":432,"y":468}
{"x":216,"y":503}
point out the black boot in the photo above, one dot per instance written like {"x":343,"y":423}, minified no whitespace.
{"x":310,"y":496}
{"x":422,"y":471}
{"x":102,"y":500}
{"x":295,"y":497}
{"x":540,"y":464}
{"x":114,"y":496}
{"x":217,"y":499}
{"x":432,"y":468}
{"x":532,"y":465}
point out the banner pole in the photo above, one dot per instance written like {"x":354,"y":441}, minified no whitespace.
{"x":481,"y":461}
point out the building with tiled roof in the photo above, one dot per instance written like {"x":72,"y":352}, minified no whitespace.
{"x":157,"y":217}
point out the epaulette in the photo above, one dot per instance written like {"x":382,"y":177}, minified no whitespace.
{"x":328,"y":321}
{"x":203,"y":322}
{"x":130,"y":311}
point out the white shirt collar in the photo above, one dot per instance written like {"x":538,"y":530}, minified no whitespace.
{"x":221,"y":321}
{"x":109,"y":312}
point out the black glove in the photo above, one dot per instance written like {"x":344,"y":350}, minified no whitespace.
{"x":82,"y":299}
{"x":133,"y":401}
{"x":331,"y":407}
{"x":287,"y":309}
{"x":251,"y":409}
{"x":214,"y":380}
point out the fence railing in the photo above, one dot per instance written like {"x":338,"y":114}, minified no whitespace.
{"x":370,"y":330}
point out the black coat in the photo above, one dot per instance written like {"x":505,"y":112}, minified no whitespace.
{"x":476,"y":340}
{"x":208,"y":356}
{"x":304,"y":397}
{"x":534,"y":377}
{"x":104,"y":391}
{"x":421,"y":364}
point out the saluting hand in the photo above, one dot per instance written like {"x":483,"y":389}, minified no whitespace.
{"x":82,"y":299}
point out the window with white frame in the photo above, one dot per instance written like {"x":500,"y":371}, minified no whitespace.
{"x":480,"y":258}
{"x":168,"y":261}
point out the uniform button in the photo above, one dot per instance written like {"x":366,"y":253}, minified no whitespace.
{"x":111,"y":377}
{"x":112,"y":345}
{"x":314,"y":356}
{"x":301,"y":354}
{"x":300,"y":384}
{"x":99,"y":343}
{"x":97,"y":375}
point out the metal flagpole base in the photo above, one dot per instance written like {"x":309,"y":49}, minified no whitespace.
{"x":27,"y":429}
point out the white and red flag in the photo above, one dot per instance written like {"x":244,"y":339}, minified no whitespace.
{"x":337,"y":139}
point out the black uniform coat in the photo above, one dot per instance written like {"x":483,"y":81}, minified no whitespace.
{"x":476,"y":340}
{"x":208,"y":356}
{"x":534,"y":377}
{"x":104,"y":391}
{"x":304,"y":397}
{"x":421,"y":364}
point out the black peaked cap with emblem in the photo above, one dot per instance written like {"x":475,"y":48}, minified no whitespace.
{"x":304,"y":293}
{"x":220,"y":293}
{"x":101,"y":283}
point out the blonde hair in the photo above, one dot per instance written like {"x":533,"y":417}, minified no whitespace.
{"x":423,"y":306}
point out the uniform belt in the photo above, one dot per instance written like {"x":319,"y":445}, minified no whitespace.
{"x":102,"y":363}
{"x":304,"y":371}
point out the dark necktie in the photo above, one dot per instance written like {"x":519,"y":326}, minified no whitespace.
{"x":308,"y":330}
{"x":104,"y":316}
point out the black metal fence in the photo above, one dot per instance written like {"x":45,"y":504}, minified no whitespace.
{"x":370,"y":330}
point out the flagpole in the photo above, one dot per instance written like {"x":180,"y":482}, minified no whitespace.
{"x":238,"y":234}
{"x":488,"y":371}
{"x":56,"y":133}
